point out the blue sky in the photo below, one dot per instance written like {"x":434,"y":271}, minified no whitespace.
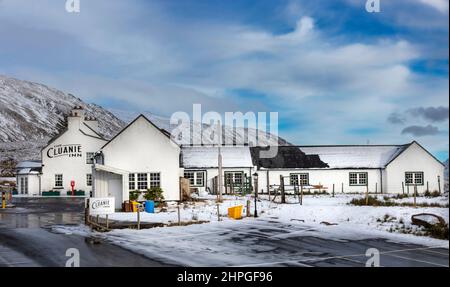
{"x":334,"y":73}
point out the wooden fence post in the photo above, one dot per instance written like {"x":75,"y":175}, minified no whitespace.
{"x":138,"y":219}
{"x":218,"y":212}
{"x":333,"y":189}
{"x":428,"y":187}
{"x":403,"y":187}
{"x":439,"y":184}
{"x":248,"y":208}
{"x":407,"y":189}
{"x":283,"y":197}
{"x":376,"y":187}
{"x":107,"y":222}
{"x":342,"y":187}
{"x":367,"y":193}
{"x":179,"y":214}
{"x":301,"y":194}
{"x":415,"y":194}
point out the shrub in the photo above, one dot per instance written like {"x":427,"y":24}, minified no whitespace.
{"x":439,"y":231}
{"x":134,"y":194}
{"x":155,"y":194}
{"x":432,"y":194}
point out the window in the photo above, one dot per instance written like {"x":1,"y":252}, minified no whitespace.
{"x":414,"y":178}
{"x":58,"y":180}
{"x":155,"y":179}
{"x":234,"y":178}
{"x":142,"y":181}
{"x":299,"y":179}
{"x":196,"y":178}
{"x":132,"y":181}
{"x":89,"y":179}
{"x":358,"y":178}
{"x":90,"y":157}
{"x":24,"y":185}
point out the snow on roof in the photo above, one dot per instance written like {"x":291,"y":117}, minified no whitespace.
{"x":29,"y":164}
{"x":206,"y":157}
{"x":375,"y":156}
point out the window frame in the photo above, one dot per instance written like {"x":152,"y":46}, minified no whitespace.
{"x":358,"y":178}
{"x":298,"y":176}
{"x":140,"y":180}
{"x":89,"y":179}
{"x":131,"y":175}
{"x":90,"y":160}
{"x":195,"y":178}
{"x":152,"y":181}
{"x":413,"y":178}
{"x":61,"y":180}
{"x":233,"y":178}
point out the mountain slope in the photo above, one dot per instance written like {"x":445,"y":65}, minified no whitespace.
{"x":31,"y":114}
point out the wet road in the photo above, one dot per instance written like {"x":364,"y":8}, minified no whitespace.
{"x":26,"y":238}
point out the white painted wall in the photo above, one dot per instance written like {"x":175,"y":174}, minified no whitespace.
{"x":142,"y":148}
{"x":414,"y":158}
{"x":325,"y":177}
{"x":72,"y":168}
{"x":211,"y":173}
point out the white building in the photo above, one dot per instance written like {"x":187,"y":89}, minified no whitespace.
{"x":66,"y":159}
{"x":201,"y":167}
{"x":141,"y":156}
{"x":354,"y":168}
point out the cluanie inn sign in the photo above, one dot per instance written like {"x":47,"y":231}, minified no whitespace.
{"x":69,"y":150}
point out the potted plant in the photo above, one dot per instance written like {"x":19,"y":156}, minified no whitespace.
{"x":134,"y":195}
{"x":155,"y":194}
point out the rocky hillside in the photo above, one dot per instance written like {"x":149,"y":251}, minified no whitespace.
{"x":32,"y":113}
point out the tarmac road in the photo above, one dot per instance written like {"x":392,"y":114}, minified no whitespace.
{"x":26,"y":239}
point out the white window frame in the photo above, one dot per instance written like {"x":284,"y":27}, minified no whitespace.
{"x":89,"y":179}
{"x":24,"y":185}
{"x":233,"y":177}
{"x":132,"y":181}
{"x":415,"y":178}
{"x":141,"y":183}
{"x":362,"y":178}
{"x":154,"y":179}
{"x":298,"y":179}
{"x":90,"y":157}
{"x":59,"y":180}
{"x":197,"y":179}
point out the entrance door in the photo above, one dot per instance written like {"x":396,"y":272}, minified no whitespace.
{"x":115,"y":190}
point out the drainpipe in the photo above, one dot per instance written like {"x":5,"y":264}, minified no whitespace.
{"x":381,"y":180}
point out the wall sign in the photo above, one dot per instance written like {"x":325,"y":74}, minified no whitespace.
{"x":69,"y":150}
{"x":101,"y":206}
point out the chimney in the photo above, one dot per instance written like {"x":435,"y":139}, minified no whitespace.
{"x":75,"y":118}
{"x":92,"y":123}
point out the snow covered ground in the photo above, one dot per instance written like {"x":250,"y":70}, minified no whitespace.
{"x":317,"y":211}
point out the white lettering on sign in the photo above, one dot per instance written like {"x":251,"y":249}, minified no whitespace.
{"x":70,"y":150}
{"x":101,"y":206}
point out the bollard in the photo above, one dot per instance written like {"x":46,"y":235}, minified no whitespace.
{"x":248,"y":208}
{"x":179,"y":215}
{"x":138,"y":218}
{"x":3,"y":200}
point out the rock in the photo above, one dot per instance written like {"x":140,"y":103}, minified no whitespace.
{"x":327,"y":223}
{"x":427,"y":219}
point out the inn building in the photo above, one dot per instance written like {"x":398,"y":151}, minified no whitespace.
{"x":144,"y":155}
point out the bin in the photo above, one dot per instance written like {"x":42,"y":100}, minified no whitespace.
{"x":134,"y":206}
{"x":235,"y":212}
{"x":150,"y":206}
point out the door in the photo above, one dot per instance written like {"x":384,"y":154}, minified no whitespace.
{"x":115,"y":190}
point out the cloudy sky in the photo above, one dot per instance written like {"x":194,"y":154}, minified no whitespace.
{"x":334,"y":73}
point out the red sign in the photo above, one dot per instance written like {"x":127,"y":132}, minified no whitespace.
{"x":72,"y":183}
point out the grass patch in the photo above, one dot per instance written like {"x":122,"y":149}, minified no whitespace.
{"x":373,"y":201}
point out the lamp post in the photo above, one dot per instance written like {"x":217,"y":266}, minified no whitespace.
{"x":255,"y":178}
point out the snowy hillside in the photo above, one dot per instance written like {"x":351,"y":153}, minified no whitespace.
{"x":31,"y":114}
{"x":229,"y":133}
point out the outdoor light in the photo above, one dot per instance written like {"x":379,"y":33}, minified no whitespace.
{"x":255,"y":176}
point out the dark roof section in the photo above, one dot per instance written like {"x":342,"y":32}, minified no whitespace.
{"x":164,"y":132}
{"x":287,"y":157}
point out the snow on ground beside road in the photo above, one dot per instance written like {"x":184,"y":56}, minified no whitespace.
{"x":380,"y":221}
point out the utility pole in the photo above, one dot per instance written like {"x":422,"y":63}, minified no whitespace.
{"x":220,"y":179}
